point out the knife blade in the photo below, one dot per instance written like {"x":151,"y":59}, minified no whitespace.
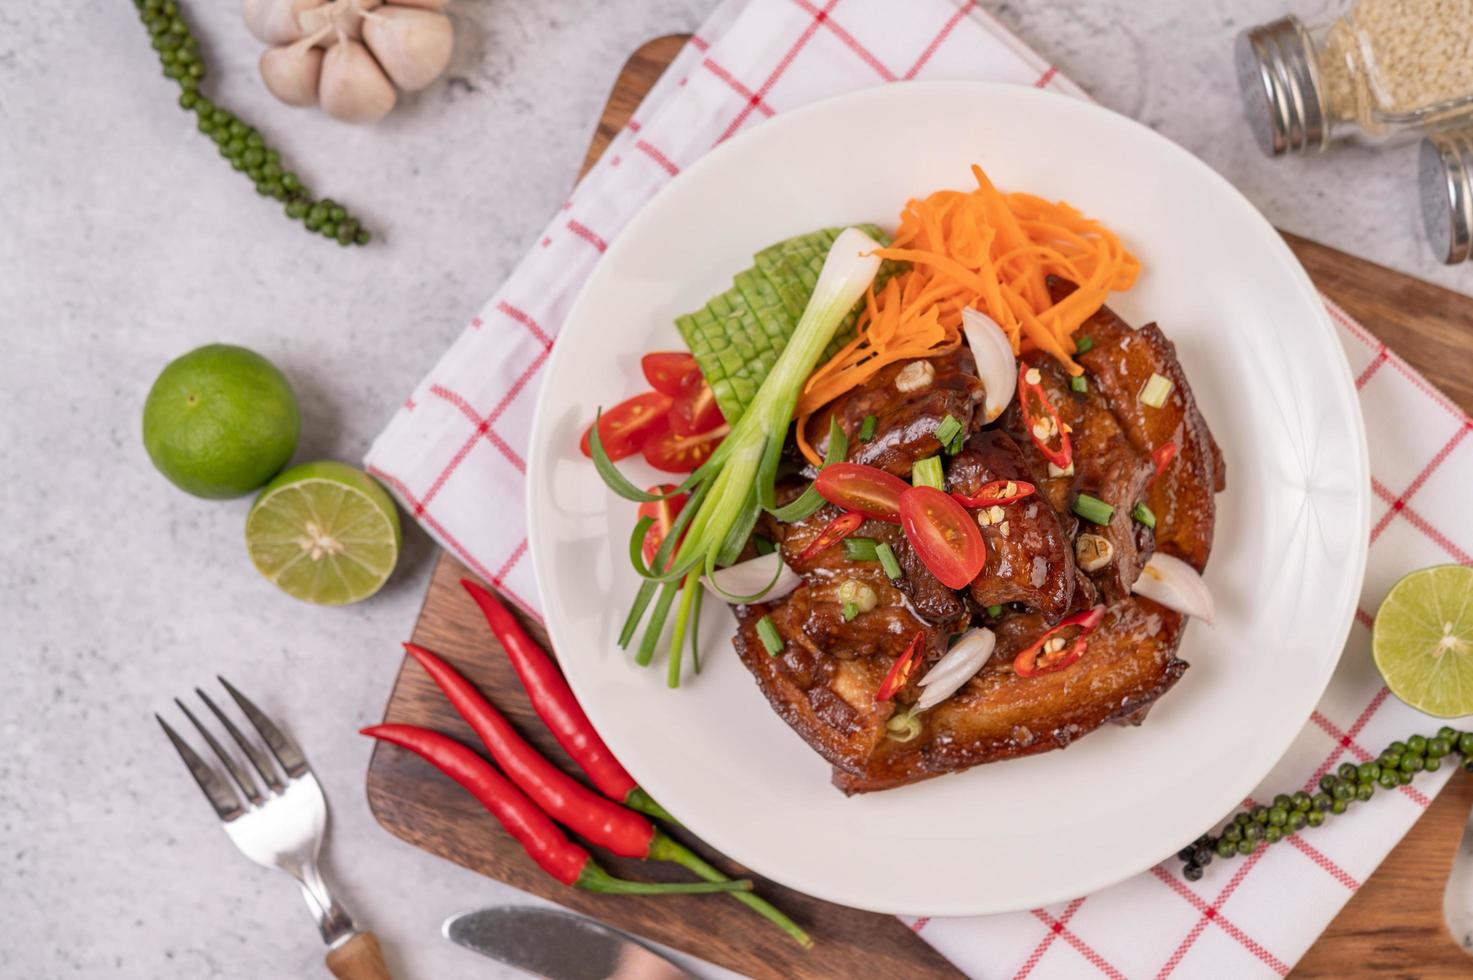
{"x":557,"y":945}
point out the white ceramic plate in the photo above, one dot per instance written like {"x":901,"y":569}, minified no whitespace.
{"x":1286,"y":564}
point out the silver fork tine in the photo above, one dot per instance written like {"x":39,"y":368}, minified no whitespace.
{"x":227,"y":805}
{"x":283,"y":748}
{"x":242,"y":779}
{"x":259,"y":762}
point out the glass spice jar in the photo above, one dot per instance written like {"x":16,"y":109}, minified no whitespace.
{"x":1446,"y":183}
{"x":1369,"y":69}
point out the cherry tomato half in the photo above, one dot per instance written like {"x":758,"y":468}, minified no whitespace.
{"x":625,"y":428}
{"x":667,"y":370}
{"x":663,"y":512}
{"x":862,"y":489}
{"x":695,"y":408}
{"x":675,"y":453}
{"x":943,"y":535}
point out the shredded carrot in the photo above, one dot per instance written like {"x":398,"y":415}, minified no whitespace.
{"x":981,"y":249}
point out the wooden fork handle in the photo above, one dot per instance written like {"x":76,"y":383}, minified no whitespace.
{"x":360,"y":958}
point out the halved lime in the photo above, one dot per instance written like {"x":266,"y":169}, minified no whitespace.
{"x":1423,"y":640}
{"x":324,"y":532}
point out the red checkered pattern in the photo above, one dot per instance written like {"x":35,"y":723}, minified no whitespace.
{"x":455,"y":457}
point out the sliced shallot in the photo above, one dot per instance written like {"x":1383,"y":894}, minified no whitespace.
{"x":958,"y":666}
{"x":996,"y":365}
{"x":753,"y":576}
{"x":1176,"y":585}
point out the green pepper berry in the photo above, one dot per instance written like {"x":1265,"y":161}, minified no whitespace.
{"x":1342,"y":791}
{"x":1242,"y":819}
{"x":1465,"y":743}
{"x":1232,"y":833}
{"x":1315,"y":817}
{"x":1347,"y":770}
{"x":363,"y":237}
{"x":337,"y":212}
{"x":1437,"y":747}
{"x":1448,"y":733}
{"x":253,"y":155}
{"x":1260,"y":815}
{"x":1245,"y":846}
{"x":1417,"y":744}
{"x":1273,"y":835}
{"x":1404,"y":777}
{"x":1321,"y":801}
{"x":330,"y":229}
{"x":1339,"y":806}
{"x":1253,"y":832}
{"x":1432,"y":764}
{"x":1388,"y":779}
{"x":1284,"y":801}
{"x":1412,"y":763}
{"x":1296,"y":820}
{"x":1277,"y":816}
{"x":1327,"y":782}
{"x":1226,"y":848}
{"x":1365,"y":791}
{"x":1368,"y":771}
{"x":296,"y":210}
{"x":1302,"y":802}
{"x":1389,"y":760}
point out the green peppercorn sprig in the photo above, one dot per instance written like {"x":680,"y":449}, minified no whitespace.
{"x":1338,"y":791}
{"x":241,"y":144}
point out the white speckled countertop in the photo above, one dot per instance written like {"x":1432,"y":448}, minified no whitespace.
{"x":125,"y":240}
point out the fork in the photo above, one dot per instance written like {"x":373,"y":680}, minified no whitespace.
{"x":280,"y":826}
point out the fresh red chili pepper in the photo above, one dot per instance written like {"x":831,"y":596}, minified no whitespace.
{"x":1062,"y":456}
{"x":996,"y":493}
{"x":554,"y":703}
{"x":837,"y":530}
{"x":1162,"y":457}
{"x":543,"y":841}
{"x":1032,"y":661}
{"x":904,"y":666}
{"x":592,"y":817}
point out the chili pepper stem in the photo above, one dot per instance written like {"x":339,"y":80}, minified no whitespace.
{"x":639,"y":800}
{"x":666,"y":848}
{"x":595,"y":879}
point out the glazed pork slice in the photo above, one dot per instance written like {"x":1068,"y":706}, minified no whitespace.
{"x":908,"y":399}
{"x":1107,"y":466}
{"x":824,"y":680}
{"x":1131,"y":661}
{"x":1119,"y":364}
{"x":1030,"y":559}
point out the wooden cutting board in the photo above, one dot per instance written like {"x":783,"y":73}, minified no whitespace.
{"x":1393,"y":926}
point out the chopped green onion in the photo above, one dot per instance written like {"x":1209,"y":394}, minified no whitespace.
{"x":1156,"y":390}
{"x":888,"y":561}
{"x":1084,"y":344}
{"x":861,"y":549}
{"x":902,"y":727}
{"x":1144,"y":514}
{"x":867,"y":428}
{"x":994,"y":611}
{"x":927,"y":473}
{"x":957,"y":444}
{"x":851,"y":609}
{"x":763,"y":546}
{"x":1093,"y":509}
{"x":947,"y":430}
{"x":1079,"y":384}
{"x":767,"y":633}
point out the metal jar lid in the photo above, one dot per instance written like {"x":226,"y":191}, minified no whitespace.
{"x":1445,"y":179}
{"x":1282,"y":98}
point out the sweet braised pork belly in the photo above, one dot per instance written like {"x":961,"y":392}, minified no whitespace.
{"x":824,"y":680}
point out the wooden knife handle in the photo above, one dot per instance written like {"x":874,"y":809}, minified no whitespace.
{"x":360,"y":958}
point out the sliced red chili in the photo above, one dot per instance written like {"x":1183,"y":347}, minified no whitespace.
{"x":1035,"y":660}
{"x":1162,"y":457}
{"x":995,"y":493}
{"x":905,"y":665}
{"x":837,"y":530}
{"x":1030,"y":392}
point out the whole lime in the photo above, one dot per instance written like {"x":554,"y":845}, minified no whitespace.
{"x":220,"y":421}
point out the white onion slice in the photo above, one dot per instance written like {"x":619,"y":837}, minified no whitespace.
{"x":753,"y":575}
{"x":959,"y":665}
{"x":1176,"y":585}
{"x":996,"y":365}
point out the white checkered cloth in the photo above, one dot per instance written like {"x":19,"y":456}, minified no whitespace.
{"x":460,"y":442}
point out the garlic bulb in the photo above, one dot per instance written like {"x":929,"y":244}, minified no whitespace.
{"x":413,"y":46}
{"x":349,"y":55}
{"x":292,"y":73}
{"x":275,"y":21}
{"x":354,"y":88}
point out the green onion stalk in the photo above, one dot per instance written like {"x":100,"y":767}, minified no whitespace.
{"x":732,"y":488}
